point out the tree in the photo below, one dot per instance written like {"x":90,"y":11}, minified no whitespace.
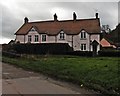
{"x":106,"y":29}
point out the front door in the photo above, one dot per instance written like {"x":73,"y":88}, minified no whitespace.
{"x":94,"y":47}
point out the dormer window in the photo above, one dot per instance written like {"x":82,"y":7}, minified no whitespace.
{"x":83,"y":35}
{"x":62,"y":35}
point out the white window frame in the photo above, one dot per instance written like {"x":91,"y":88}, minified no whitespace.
{"x":45,"y":38}
{"x":36,"y":38}
{"x":83,"y":47}
{"x":83,"y":35}
{"x":29,"y":38}
{"x":62,"y":36}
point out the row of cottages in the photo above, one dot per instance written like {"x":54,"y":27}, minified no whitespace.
{"x":81,"y":34}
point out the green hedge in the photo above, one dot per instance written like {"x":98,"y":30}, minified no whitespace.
{"x":81,"y":53}
{"x":114,"y":53}
{"x":10,"y":54}
{"x":55,"y":48}
{"x":43,"y":48}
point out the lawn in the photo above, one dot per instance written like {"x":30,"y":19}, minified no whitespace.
{"x":99,"y":73}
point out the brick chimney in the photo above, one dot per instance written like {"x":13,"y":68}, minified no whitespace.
{"x":55,"y":17}
{"x":74,"y":16}
{"x":26,"y":20}
{"x":96,"y":14}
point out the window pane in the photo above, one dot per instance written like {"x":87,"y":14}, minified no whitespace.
{"x":84,"y":35}
{"x":84,"y":46}
{"x":36,"y":38}
{"x":62,"y":36}
{"x":81,"y":34}
{"x":81,"y":46}
{"x":29,"y":38}
{"x":43,"y":37}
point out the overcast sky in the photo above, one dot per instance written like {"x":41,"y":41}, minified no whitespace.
{"x":14,"y":11}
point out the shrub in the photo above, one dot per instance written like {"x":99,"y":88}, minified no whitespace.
{"x":10,"y":54}
{"x":109,"y":53}
{"x":43,"y":48}
{"x":81,"y":53}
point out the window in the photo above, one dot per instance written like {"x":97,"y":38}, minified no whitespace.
{"x":36,"y":38}
{"x":43,"y":37}
{"x":29,"y":38}
{"x":62,"y":36}
{"x":83,"y":35}
{"x":83,"y":47}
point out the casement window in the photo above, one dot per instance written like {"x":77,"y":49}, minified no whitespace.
{"x":83,"y":35}
{"x":29,"y":38}
{"x":36,"y":38}
{"x":62,"y":36}
{"x":43,"y":38}
{"x":83,"y":47}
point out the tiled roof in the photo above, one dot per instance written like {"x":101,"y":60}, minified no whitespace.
{"x":106,"y":43}
{"x":68,"y":26}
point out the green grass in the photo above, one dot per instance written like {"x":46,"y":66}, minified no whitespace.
{"x":99,"y":73}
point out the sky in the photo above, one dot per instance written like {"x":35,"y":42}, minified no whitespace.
{"x":12,"y":13}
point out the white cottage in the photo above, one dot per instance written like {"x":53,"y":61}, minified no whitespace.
{"x":81,"y":34}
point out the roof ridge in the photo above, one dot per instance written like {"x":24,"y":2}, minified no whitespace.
{"x":63,"y":20}
{"x":90,"y":24}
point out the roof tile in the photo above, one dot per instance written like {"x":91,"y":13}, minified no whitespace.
{"x":68,"y":26}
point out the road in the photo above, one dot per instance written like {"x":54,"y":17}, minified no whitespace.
{"x":18,"y":81}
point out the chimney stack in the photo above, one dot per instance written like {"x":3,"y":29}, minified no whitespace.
{"x":96,"y":15}
{"x":74,"y":16}
{"x":26,"y":20}
{"x":55,"y":17}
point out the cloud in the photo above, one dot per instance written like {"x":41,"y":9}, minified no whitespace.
{"x":9,"y":23}
{"x":14,"y":12}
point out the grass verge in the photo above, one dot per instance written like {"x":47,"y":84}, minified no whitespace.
{"x":99,"y":73}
